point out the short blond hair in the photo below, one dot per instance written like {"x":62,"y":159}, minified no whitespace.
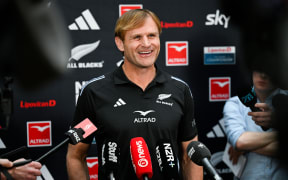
{"x":134,"y":19}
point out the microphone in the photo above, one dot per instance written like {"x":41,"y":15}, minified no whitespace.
{"x":167,"y":159}
{"x":141,"y":159}
{"x":249,"y":99}
{"x":110,"y":158}
{"x":201,"y":155}
{"x":75,"y":135}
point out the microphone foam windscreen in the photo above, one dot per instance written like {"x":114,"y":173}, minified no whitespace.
{"x":140,"y":157}
{"x":197,"y":151}
{"x":248,"y":97}
{"x":167,"y":159}
{"x":110,"y":156}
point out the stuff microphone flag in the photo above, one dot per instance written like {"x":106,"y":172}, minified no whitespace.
{"x":200,"y":155}
{"x":141,"y":159}
{"x":110,"y":158}
{"x":75,"y":135}
{"x":167,"y":159}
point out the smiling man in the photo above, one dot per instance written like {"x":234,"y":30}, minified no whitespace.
{"x":136,"y":100}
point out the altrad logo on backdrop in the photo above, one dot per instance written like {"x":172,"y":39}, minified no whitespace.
{"x":38,"y":104}
{"x":39,"y":133}
{"x":219,"y":88}
{"x":123,"y":8}
{"x":92,"y":163}
{"x":177,"y":53}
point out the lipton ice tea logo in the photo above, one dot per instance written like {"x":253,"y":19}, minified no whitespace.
{"x":177,"y":53}
{"x":92,"y":163}
{"x":123,"y":8}
{"x":219,"y":88}
{"x":39,"y":133}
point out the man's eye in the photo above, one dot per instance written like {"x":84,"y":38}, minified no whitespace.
{"x":137,"y":37}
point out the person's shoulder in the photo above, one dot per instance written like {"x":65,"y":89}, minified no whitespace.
{"x":178,"y":83}
{"x":234,"y":98}
{"x":283,"y":91}
{"x":175,"y":80}
{"x":178,"y":80}
{"x":97,"y":82}
{"x":234,"y":101}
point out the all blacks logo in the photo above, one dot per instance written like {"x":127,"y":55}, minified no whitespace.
{"x":142,"y":162}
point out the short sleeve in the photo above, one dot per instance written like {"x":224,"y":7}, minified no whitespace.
{"x":188,"y":129}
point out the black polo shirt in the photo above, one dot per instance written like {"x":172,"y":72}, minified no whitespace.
{"x":122,"y":110}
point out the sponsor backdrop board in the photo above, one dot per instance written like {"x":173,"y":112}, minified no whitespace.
{"x":199,"y":44}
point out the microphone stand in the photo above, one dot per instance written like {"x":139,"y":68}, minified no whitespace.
{"x":211,"y":170}
{"x":52,"y":150}
{"x":145,"y":177}
{"x":111,"y":176}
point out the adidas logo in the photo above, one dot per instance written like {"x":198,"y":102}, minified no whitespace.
{"x":85,"y":22}
{"x":218,"y":131}
{"x":119,"y":102}
{"x":2,"y":145}
{"x":45,"y":174}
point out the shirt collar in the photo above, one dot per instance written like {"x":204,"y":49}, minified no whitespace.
{"x":120,"y":77}
{"x":270,"y":97}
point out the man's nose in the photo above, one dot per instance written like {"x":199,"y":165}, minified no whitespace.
{"x":145,"y":41}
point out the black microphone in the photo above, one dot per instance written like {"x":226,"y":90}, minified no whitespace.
{"x":110,"y":158}
{"x":248,"y":97}
{"x":167,"y":159}
{"x":75,"y":135}
{"x":201,"y":155}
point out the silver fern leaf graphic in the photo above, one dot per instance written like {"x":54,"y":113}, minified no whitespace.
{"x":82,"y":50}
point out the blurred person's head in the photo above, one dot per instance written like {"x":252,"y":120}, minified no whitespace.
{"x":262,"y":82}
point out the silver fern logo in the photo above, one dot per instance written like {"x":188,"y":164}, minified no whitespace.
{"x":82,"y":50}
{"x":162,"y":97}
{"x":79,"y":52}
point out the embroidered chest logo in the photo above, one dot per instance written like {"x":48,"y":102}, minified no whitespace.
{"x":119,"y":102}
{"x":143,"y":118}
{"x":162,"y":99}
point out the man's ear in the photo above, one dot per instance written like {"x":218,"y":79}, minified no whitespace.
{"x":119,"y":43}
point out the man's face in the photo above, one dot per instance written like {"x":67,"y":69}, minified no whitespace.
{"x":141,"y":45}
{"x":262,"y":82}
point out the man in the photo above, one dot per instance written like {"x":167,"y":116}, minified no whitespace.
{"x":251,"y":132}
{"x":29,"y":171}
{"x":136,"y":100}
